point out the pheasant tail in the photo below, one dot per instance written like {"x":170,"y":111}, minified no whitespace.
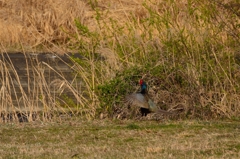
{"x":155,"y":109}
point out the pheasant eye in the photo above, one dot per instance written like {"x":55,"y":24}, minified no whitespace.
{"x":141,"y":82}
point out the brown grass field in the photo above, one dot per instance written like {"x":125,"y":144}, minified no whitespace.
{"x":187,"y":51}
{"x":121,"y":139}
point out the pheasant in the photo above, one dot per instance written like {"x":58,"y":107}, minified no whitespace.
{"x":142,"y":100}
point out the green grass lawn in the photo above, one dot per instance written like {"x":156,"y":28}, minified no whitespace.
{"x":121,"y":139}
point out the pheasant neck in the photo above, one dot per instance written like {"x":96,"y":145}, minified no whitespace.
{"x":144,"y":88}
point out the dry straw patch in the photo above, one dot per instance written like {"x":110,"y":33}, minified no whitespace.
{"x":32,"y":23}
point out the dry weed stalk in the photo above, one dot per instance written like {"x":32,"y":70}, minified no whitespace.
{"x":41,"y":91}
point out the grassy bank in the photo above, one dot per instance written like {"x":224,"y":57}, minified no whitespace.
{"x":121,"y":139}
{"x":187,"y":51}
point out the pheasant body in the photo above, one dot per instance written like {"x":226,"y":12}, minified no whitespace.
{"x":142,"y":100}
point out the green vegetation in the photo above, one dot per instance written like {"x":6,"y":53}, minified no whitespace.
{"x":186,"y":50}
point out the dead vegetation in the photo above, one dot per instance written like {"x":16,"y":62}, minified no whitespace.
{"x":30,"y":24}
{"x":189,"y":49}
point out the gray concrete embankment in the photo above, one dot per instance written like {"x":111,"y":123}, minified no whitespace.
{"x":33,"y":82}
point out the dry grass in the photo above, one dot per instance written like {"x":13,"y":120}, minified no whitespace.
{"x":121,"y":139}
{"x":48,"y":25}
{"x":195,"y":40}
{"x":41,"y":90}
{"x":30,"y":24}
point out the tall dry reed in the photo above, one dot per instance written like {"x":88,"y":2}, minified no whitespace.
{"x":186,"y":50}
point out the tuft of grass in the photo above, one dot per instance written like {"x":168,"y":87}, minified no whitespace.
{"x":132,"y":126}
